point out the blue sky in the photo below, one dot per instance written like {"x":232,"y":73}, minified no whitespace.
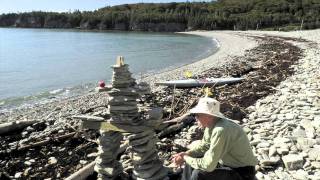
{"x":7,"y":6}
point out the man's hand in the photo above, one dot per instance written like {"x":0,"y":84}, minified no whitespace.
{"x":178,"y":159}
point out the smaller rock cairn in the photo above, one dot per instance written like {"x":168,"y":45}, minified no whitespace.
{"x":125,"y":116}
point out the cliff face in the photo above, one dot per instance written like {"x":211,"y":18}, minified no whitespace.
{"x":28,"y":22}
{"x":56,"y":23}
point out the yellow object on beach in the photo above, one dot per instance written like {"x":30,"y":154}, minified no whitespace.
{"x":106,"y":126}
{"x":188,"y":74}
{"x":207,"y":92}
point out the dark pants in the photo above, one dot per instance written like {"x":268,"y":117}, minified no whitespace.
{"x":220,"y":173}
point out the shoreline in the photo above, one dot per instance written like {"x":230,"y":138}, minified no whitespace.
{"x":221,"y":56}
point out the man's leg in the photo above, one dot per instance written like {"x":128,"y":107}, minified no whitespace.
{"x":218,"y":174}
{"x":189,"y":173}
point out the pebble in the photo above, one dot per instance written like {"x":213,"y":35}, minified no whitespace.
{"x":18,"y":175}
{"x":315,"y":164}
{"x":314,"y":154}
{"x":52,"y":160}
{"x":28,"y":163}
{"x":83,"y":162}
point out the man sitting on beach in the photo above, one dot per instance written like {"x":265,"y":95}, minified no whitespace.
{"x":224,"y":152}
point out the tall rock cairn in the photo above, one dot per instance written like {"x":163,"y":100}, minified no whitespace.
{"x":124,"y":111}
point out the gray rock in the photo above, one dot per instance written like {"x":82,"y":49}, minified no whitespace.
{"x":293,"y":161}
{"x":315,"y":165}
{"x":314,"y":154}
{"x":298,"y":132}
{"x":270,"y":162}
{"x":182,"y":142}
{"x":305,"y":143}
{"x":282,"y":174}
{"x":300,"y":175}
{"x":110,"y":170}
{"x":272,"y":151}
{"x":279,"y":141}
{"x":263,"y":144}
{"x":140,"y":158}
{"x":290,"y":116}
{"x":147,"y":173}
{"x":282,"y":151}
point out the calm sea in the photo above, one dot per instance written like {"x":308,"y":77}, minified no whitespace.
{"x":39,"y":64}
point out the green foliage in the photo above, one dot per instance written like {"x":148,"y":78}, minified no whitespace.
{"x":215,"y":15}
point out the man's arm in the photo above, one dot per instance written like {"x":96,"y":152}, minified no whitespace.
{"x":199,"y":149}
{"x":209,"y":161}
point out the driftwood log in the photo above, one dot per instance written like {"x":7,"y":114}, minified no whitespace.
{"x":177,"y":124}
{"x":9,"y":127}
{"x":45,"y":142}
{"x":83,"y":173}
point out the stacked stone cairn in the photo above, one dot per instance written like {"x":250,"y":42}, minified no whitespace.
{"x":125,"y":114}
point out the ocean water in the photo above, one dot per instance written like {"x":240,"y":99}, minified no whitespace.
{"x":40,"y":64}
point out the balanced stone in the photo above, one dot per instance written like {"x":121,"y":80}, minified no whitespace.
{"x":140,"y":135}
{"x":148,"y":173}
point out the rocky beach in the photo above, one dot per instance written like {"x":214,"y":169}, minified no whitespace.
{"x":278,"y":105}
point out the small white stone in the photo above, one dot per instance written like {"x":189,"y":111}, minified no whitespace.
{"x":18,"y":175}
{"x":28,"y":163}
{"x":263,"y":144}
{"x":83,"y":162}
{"x":52,"y":160}
{"x":259,"y":176}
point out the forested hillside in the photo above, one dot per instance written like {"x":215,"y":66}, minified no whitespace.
{"x":216,"y":15}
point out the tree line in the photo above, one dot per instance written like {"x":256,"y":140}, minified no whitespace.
{"x":216,"y":15}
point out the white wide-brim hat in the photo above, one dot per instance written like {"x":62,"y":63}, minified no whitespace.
{"x":208,"y":106}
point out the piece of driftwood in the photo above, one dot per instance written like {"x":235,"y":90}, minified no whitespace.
{"x":88,"y":118}
{"x":171,"y":129}
{"x":83,"y":173}
{"x":45,"y":142}
{"x":182,"y":122}
{"x":178,"y":119}
{"x":9,"y":127}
